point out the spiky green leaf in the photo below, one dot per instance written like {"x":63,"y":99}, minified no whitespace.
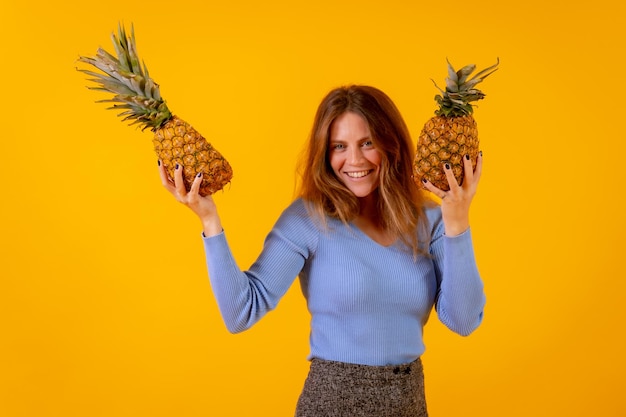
{"x":460,"y":92}
{"x":126,"y":77}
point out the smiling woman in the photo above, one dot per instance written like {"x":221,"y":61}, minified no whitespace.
{"x":369,"y":294}
{"x":353,"y":156}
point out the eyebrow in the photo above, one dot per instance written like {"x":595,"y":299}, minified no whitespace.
{"x":364,"y":138}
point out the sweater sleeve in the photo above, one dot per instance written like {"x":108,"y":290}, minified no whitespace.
{"x":460,"y":298}
{"x":244,"y":297}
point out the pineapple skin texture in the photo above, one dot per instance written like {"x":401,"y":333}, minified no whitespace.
{"x":177,"y":142}
{"x":445,"y":139}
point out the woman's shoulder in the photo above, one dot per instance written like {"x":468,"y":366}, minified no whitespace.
{"x":296,"y":207}
{"x":296,"y":223}
{"x":297,"y":215}
{"x":432,"y":212}
{"x":296,"y":211}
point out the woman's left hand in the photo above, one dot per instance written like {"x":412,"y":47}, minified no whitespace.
{"x":455,"y":203}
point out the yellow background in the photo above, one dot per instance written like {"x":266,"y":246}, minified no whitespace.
{"x":105,"y":307}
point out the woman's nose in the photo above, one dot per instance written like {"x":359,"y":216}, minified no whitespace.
{"x":356,"y":155}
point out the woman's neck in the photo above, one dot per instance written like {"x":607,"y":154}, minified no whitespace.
{"x":369,"y":221}
{"x":369,"y":210}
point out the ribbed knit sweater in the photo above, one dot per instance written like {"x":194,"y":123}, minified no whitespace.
{"x":368,"y":303}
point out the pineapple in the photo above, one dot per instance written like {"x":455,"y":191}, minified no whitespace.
{"x":175,"y":141}
{"x":452,"y":133}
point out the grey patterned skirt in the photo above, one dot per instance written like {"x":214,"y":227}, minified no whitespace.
{"x":337,"y":389}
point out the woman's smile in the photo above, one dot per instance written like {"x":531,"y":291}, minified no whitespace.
{"x":359,"y":174}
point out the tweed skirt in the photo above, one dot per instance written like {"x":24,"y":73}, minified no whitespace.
{"x":337,"y":389}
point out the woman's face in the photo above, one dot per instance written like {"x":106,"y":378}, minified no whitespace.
{"x":352,"y":154}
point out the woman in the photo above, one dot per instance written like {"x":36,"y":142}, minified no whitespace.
{"x":374,"y":256}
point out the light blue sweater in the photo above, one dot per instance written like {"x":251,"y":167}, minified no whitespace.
{"x":368,"y":303}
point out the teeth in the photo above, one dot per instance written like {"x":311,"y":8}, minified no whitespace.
{"x":357,"y":174}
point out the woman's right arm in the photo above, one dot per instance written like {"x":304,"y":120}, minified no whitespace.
{"x":244,"y":297}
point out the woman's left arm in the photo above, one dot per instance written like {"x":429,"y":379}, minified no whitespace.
{"x":460,"y":298}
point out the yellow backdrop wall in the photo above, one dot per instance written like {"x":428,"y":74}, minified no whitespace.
{"x":105,"y":307}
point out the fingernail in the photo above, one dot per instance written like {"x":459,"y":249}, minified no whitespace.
{"x":467,"y":157}
{"x":424,"y":180}
{"x":159,"y":162}
{"x":199,"y":174}
{"x":480,"y":153}
{"x":176,"y":166}
{"x":447,"y":166}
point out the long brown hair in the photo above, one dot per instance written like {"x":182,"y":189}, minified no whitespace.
{"x":399,"y":199}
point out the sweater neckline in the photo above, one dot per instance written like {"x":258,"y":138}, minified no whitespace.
{"x":369,"y":238}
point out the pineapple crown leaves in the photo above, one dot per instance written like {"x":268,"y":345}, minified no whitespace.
{"x":460,"y":91}
{"x":129,"y":81}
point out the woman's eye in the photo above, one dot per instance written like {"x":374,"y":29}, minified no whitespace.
{"x":368,"y":144}
{"x":338,"y":146}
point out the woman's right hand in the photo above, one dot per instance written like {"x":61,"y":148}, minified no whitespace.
{"x":203,"y":207}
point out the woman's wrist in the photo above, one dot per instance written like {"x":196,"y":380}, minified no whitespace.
{"x":456,"y":229}
{"x":211,"y":227}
